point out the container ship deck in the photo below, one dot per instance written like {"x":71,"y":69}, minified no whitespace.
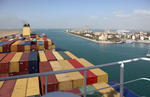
{"x":30,"y":67}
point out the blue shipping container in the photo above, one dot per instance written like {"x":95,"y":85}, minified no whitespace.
{"x":2,"y":43}
{"x":33,"y":62}
{"x":40,"y":42}
{"x":126,"y":91}
{"x":27,"y":43}
{"x":21,"y":43}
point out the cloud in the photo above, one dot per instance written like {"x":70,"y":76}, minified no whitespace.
{"x":93,"y":17}
{"x":120,"y":14}
{"x":136,"y":20}
{"x":134,"y":13}
{"x":142,"y":12}
{"x":105,"y":18}
{"x":123,"y":15}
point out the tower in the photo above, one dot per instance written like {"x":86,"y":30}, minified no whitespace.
{"x":26,"y":30}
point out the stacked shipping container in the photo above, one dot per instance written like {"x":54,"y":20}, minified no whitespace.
{"x":50,"y":56}
{"x":33,"y":87}
{"x":24,"y":62}
{"x":4,"y":64}
{"x":76,"y":77}
{"x":47,"y":61}
{"x":14,"y":63}
{"x":33,"y":62}
{"x":65,"y":82}
{"x":26,"y":87}
{"x":14,"y":46}
{"x":102,"y":76}
{"x":21,"y":46}
{"x":91,"y":77}
{"x":52,"y":83}
{"x":42,"y":56}
{"x":6,"y":47}
{"x":26,"y":45}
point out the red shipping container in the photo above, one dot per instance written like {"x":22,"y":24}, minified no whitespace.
{"x":91,"y":77}
{"x":44,"y":36}
{"x":4,"y":39}
{"x":23,"y":63}
{"x":4,"y":75}
{"x":2,"y":55}
{"x":46,"y":44}
{"x":20,"y":48}
{"x":19,"y":73}
{"x":7,"y":88}
{"x":23,"y":72}
{"x":50,"y":56}
{"x":33,"y":48}
{"x":52,"y":83}
{"x":75,"y":91}
{"x":6,"y":47}
{"x":4,"y":64}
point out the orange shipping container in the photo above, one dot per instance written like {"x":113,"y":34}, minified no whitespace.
{"x":14,"y":46}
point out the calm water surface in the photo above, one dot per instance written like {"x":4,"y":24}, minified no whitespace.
{"x":106,"y":53}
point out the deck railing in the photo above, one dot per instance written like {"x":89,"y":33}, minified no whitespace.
{"x":121,"y":63}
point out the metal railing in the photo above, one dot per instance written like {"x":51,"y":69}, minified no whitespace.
{"x":121,"y":63}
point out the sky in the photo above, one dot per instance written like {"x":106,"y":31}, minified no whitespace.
{"x":94,"y":14}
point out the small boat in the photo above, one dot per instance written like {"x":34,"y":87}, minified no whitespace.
{"x":148,"y":54}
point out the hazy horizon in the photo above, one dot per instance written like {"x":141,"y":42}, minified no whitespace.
{"x":82,"y":14}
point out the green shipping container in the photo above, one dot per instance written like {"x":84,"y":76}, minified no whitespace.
{"x":91,"y":94}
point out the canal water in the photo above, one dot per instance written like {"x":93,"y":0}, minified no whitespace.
{"x":106,"y":53}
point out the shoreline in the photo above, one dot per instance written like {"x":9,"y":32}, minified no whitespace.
{"x":102,"y":42}
{"x":4,"y":33}
{"x":109,"y":42}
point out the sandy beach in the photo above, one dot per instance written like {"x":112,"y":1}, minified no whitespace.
{"x":4,"y":33}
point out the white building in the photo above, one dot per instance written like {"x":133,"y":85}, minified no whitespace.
{"x":97,"y":33}
{"x":88,"y":35}
{"x":141,"y":37}
{"x":149,"y":38}
{"x":133,"y":37}
{"x":103,"y":37}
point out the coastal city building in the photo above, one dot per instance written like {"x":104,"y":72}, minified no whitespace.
{"x":103,"y":37}
{"x":112,"y":36}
